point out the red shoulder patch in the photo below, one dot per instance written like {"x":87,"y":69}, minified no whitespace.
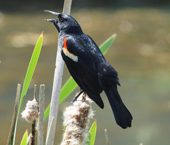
{"x":65,"y":43}
{"x":67,"y":53}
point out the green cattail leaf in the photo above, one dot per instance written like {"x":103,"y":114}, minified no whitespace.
{"x":24,"y":138}
{"x":104,"y":47}
{"x":92,"y":134}
{"x":31,"y":68}
{"x":70,"y":85}
{"x":47,"y":111}
{"x":28,"y":77}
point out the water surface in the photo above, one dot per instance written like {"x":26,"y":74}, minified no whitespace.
{"x":140,"y":54}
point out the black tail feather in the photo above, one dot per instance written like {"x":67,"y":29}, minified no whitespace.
{"x":122,"y":115}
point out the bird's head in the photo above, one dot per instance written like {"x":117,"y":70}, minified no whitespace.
{"x":64,"y":23}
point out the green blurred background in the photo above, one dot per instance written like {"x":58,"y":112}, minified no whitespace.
{"x":140,"y":54}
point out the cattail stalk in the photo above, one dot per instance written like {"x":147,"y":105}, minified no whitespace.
{"x":10,"y":137}
{"x":33,"y":131}
{"x":56,"y":85}
{"x":41,"y":114}
{"x":106,"y":136}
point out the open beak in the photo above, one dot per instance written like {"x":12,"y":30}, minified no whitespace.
{"x":55,"y":21}
{"x":54,"y":13}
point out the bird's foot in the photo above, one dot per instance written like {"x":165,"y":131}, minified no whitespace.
{"x":75,"y":98}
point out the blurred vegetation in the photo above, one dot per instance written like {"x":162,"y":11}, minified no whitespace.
{"x":39,"y":5}
{"x":140,"y":54}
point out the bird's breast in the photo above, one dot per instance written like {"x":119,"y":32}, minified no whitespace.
{"x":67,"y":53}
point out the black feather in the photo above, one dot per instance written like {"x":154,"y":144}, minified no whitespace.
{"x":122,"y":115}
{"x":90,"y":69}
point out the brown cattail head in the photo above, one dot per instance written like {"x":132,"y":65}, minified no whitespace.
{"x":31,"y":111}
{"x":76,"y":119}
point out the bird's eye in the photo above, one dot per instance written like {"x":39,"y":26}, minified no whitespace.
{"x":61,"y":19}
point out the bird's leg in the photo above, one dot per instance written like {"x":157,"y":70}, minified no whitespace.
{"x":75,"y":98}
{"x":84,"y":96}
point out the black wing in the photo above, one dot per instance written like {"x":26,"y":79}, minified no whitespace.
{"x":84,"y":70}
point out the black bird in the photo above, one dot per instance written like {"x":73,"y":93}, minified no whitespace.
{"x":88,"y":66}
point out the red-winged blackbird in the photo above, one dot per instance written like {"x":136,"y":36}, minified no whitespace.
{"x":88,"y":66}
